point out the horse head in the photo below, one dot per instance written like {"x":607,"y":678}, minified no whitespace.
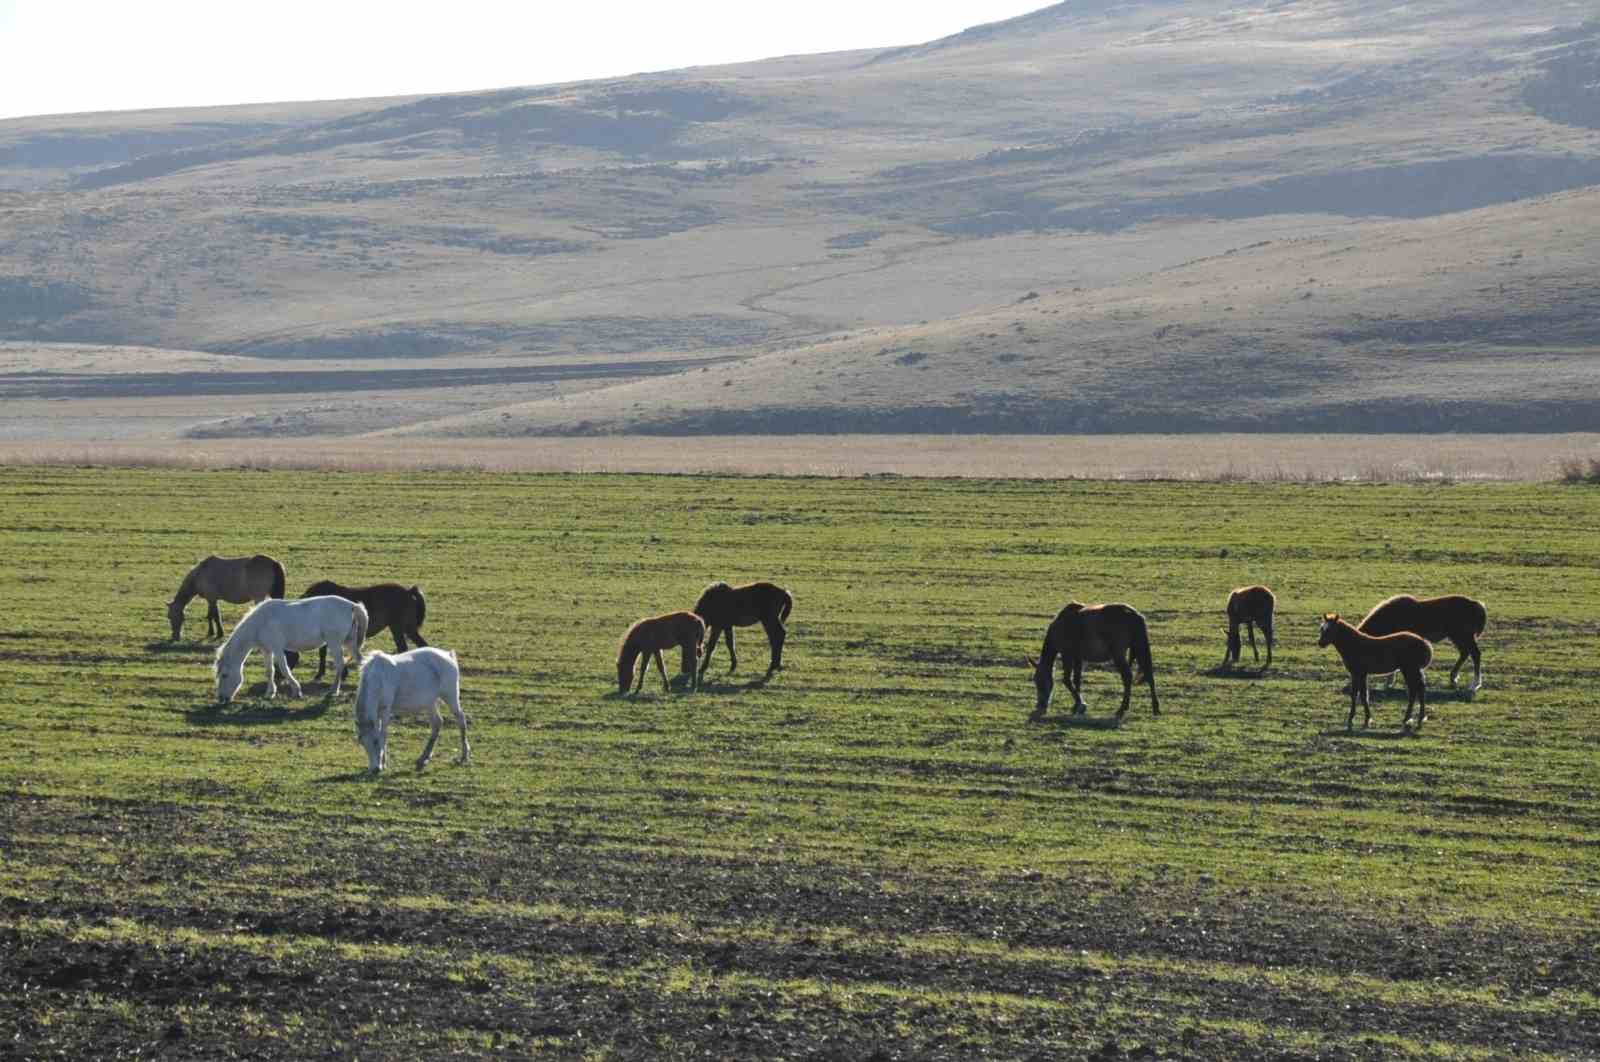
{"x":369,"y":724}
{"x":1044,"y":683}
{"x":175,"y":617}
{"x":1330,"y":620}
{"x":230,"y":673}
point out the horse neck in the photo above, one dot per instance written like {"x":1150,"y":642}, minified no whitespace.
{"x":630,"y":651}
{"x":1347,"y":640}
{"x":186,"y":589}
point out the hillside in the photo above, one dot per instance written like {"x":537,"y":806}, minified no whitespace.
{"x":1335,"y":215}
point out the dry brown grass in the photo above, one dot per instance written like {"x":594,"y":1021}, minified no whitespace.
{"x":1253,"y":458}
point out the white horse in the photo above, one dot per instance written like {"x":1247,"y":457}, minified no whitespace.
{"x":276,"y":625}
{"x":407,"y":684}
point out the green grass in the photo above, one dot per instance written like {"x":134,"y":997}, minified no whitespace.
{"x":875,"y":851}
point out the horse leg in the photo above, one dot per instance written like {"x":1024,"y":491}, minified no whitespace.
{"x":282,"y":662}
{"x":213,"y":619}
{"x":1266,"y":632}
{"x":1477,"y":663}
{"x":1422,"y":697}
{"x":1366,"y":703}
{"x":733,"y":656}
{"x":399,"y":638}
{"x":337,"y":645}
{"x":661,"y":667}
{"x":1072,"y":675}
{"x":1350,"y":720}
{"x":775,"y":637}
{"x":689,"y":662}
{"x":436,"y":722}
{"x":711,"y":643}
{"x":1250,"y":629}
{"x":1126,"y":671}
{"x":416,"y":636}
{"x":452,"y":697}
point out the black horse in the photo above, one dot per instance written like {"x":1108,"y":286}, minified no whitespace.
{"x":1095,"y":634}
{"x":399,"y":608}
{"x":725,"y":607}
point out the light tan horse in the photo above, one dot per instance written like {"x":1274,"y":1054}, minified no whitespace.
{"x":236,"y":580}
{"x":1460,"y":619}
{"x":1249,"y":606}
{"x":649,"y":636}
{"x":1364,"y":655}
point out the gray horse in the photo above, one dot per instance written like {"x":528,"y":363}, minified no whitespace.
{"x":236,"y":580}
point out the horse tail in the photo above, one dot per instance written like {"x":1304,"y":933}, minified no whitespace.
{"x":358,"y":629}
{"x":788,"y":603}
{"x":277,"y":579}
{"x":1480,"y":617}
{"x":1141,"y":651}
{"x":421,"y":603}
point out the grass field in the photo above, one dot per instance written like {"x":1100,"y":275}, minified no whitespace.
{"x":873,"y":855}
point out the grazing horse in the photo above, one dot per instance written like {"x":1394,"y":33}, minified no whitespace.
{"x":407,"y":684}
{"x":725,"y":607}
{"x":276,"y":626}
{"x":649,"y":636}
{"x":1094,"y":634}
{"x":1366,"y":654}
{"x":236,"y":580}
{"x":389,"y":605}
{"x":1249,"y":606}
{"x":1460,"y":619}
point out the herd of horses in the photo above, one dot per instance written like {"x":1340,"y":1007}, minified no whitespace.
{"x":1394,"y":637}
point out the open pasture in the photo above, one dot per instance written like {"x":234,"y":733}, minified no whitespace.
{"x":872,"y":855}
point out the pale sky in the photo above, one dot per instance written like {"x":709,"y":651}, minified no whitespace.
{"x":63,"y":56}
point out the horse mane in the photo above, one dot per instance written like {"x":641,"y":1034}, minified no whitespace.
{"x":622,"y":646}
{"x":323,"y":587}
{"x":237,"y":628}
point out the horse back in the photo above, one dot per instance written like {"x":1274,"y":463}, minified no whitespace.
{"x":1096,"y":633}
{"x":1448,"y":616}
{"x":1252,"y":603}
{"x":1395,"y":652}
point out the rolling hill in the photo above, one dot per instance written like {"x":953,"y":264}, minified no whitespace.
{"x":1165,"y":215}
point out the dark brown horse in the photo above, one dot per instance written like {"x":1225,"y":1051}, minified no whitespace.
{"x":1249,"y":607}
{"x":236,"y":580}
{"x":1365,"y":655}
{"x":725,"y":607}
{"x":1094,"y":634}
{"x":399,"y":608}
{"x":1459,"y":619}
{"x":649,"y":636}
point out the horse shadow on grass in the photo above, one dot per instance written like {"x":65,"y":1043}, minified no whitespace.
{"x":679,"y":684}
{"x":260,"y":713}
{"x":1081,"y":722}
{"x":1224,"y":671}
{"x":722,"y":687}
{"x":167,"y":645}
{"x":346,"y":777}
{"x":1397,"y":692}
{"x":1375,"y":733}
